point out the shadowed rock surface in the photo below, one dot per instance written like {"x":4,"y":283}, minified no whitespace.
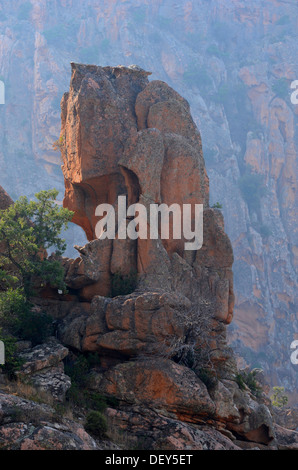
{"x":26,"y":425}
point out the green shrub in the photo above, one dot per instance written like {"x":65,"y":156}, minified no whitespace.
{"x":12,"y":360}
{"x":248,"y":378}
{"x":240,"y":381}
{"x":78,"y":371}
{"x":78,"y":395}
{"x":17,"y":316}
{"x":279,"y":398}
{"x":217,"y":205}
{"x":27,"y":230}
{"x":124,"y":284}
{"x":95,"y":401}
{"x":96,"y":424}
{"x":33,"y":326}
{"x":12,"y":305}
{"x":93,"y":359}
{"x":59,"y":143}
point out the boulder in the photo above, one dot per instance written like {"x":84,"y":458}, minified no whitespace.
{"x":26,"y":425}
{"x":287,"y":439}
{"x":140,"y":323}
{"x":43,"y":356}
{"x":256,"y":424}
{"x":43,"y":367}
{"x":155,"y":92}
{"x":146,"y":428}
{"x":161,"y":385}
{"x":52,"y":381}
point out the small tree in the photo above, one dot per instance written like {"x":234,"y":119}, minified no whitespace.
{"x":217,"y":205}
{"x":27,"y":230}
{"x":279,"y":398}
{"x":58,"y":144}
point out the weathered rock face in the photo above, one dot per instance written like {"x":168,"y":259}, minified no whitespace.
{"x":97,"y":98}
{"x":227,"y":59}
{"x":160,"y":432}
{"x":286,"y":418}
{"x":5,"y":199}
{"x":156,"y":157}
{"x":288,"y":440}
{"x":158,"y":164}
{"x":26,"y":425}
{"x":44,"y":368}
{"x":108,"y":151}
{"x":162,"y":347}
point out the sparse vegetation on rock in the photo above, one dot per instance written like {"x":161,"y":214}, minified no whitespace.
{"x":279,"y":398}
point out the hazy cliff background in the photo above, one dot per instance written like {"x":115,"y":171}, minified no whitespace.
{"x":233,"y":61}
